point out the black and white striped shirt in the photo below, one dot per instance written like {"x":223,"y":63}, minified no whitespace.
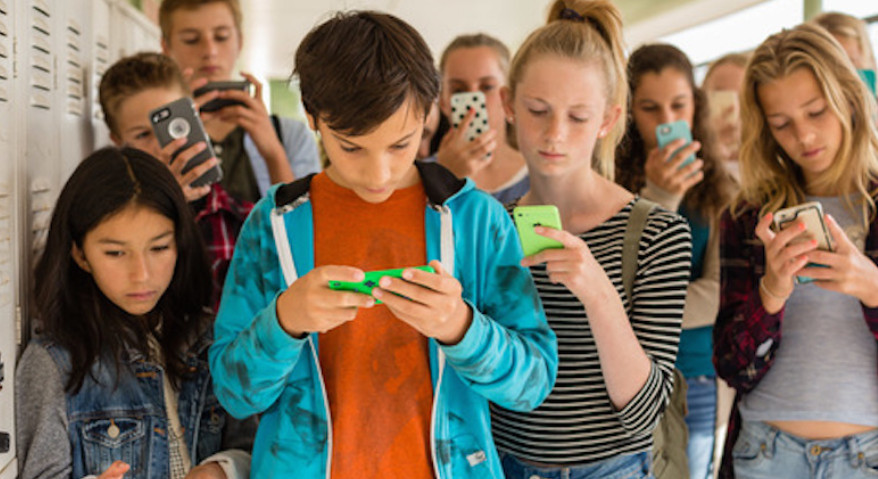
{"x":577,"y":424}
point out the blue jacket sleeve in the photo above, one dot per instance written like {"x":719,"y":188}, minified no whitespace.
{"x":509,"y":355}
{"x":252,"y":356}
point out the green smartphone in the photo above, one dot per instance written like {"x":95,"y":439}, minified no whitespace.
{"x":528,"y":217}
{"x":371,"y":280}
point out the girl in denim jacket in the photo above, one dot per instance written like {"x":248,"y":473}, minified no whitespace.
{"x":116,"y":381}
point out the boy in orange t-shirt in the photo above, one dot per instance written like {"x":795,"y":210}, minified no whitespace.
{"x":348,"y":387}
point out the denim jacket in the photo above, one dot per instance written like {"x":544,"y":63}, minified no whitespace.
{"x":508,"y":355}
{"x":122,"y":416}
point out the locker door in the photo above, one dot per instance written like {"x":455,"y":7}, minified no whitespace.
{"x":8,"y":323}
{"x":74,"y":51}
{"x":100,"y":61}
{"x":37,"y":67}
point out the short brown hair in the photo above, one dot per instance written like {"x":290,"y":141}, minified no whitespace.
{"x":131,"y":75}
{"x":168,"y":8}
{"x":358,"y":68}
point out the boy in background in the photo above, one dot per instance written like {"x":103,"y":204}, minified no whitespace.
{"x":129,"y":90}
{"x":257,"y":149}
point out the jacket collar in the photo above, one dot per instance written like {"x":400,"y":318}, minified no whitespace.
{"x":440,"y":185}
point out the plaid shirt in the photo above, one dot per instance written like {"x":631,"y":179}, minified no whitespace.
{"x":220,"y":220}
{"x":745,"y":336}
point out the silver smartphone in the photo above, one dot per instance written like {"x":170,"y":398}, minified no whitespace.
{"x":811,"y":214}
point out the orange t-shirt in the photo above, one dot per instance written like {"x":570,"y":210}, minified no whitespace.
{"x":376,"y":368}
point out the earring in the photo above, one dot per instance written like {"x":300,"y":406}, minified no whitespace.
{"x":510,"y":119}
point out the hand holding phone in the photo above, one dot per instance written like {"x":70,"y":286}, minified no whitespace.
{"x":179,"y":119}
{"x":528,"y":217}
{"x":220,"y":103}
{"x":372,"y":279}
{"x":668,"y":132}
{"x":811,"y":214}
{"x":463,"y":102}
{"x":723,"y":106}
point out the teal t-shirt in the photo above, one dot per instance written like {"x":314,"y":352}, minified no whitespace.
{"x":696,"y":344}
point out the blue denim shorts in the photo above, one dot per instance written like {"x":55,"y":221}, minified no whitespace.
{"x":765,"y":452}
{"x":628,"y":466}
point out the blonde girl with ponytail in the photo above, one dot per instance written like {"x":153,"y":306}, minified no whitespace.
{"x":566,"y":92}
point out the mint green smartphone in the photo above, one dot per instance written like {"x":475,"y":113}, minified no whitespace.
{"x":527,"y":217}
{"x":668,"y":132}
{"x":371,"y":280}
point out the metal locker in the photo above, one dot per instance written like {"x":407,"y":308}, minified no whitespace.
{"x":132,"y":32}
{"x":99,"y":36}
{"x":73,"y":51}
{"x":36,"y":112}
{"x":9,"y":272}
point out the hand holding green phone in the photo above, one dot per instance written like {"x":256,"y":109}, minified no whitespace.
{"x":528,"y":217}
{"x":371,"y":280}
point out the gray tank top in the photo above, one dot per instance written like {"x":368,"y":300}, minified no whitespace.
{"x":825,"y":368}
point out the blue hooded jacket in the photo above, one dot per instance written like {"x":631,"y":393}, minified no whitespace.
{"x":507,"y":356}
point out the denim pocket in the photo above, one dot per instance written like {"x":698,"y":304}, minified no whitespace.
{"x":626,"y":466}
{"x":210,"y":429}
{"x":106,"y":440}
{"x":748,"y":452}
{"x":869,"y":450}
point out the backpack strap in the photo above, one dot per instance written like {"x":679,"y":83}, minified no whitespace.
{"x":276,"y":122}
{"x":631,"y":245}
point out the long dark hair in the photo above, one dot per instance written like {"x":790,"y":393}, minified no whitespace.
{"x":714,"y":192}
{"x":72,"y":311}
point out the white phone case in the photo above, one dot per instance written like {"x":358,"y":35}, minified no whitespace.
{"x":461,"y":103}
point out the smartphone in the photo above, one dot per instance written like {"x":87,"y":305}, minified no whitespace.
{"x":371,"y":280}
{"x":220,"y":103}
{"x":179,"y":119}
{"x":815,"y":228}
{"x":463,"y":102}
{"x":720,"y":101}
{"x":528,"y":217}
{"x":668,"y":132}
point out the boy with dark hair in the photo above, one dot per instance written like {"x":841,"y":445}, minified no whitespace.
{"x":398,"y":389}
{"x":129,"y":90}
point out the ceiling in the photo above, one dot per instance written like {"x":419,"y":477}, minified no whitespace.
{"x":274,"y":28}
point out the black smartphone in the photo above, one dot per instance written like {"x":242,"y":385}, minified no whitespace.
{"x":179,"y":119}
{"x":220,"y":103}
